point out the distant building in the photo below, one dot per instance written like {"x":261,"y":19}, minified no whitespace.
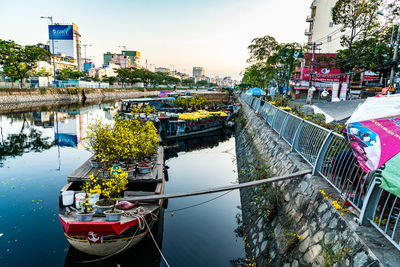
{"x":126,"y":59}
{"x":162,"y":70}
{"x":321,"y":28}
{"x":134,"y":57}
{"x":198,"y":72}
{"x":67,"y":41}
{"x":44,"y":46}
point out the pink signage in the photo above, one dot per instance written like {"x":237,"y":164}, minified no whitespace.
{"x":323,"y":75}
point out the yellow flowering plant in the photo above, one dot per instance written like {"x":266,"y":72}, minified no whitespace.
{"x":91,"y":186}
{"x":112,"y":186}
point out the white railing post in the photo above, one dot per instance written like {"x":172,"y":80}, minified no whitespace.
{"x":296,"y":136}
{"x":322,"y":152}
{"x":283,"y":127}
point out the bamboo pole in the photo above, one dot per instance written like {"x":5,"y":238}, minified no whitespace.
{"x":217,"y":189}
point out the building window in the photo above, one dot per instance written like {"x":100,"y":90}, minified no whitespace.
{"x":329,"y":39}
{"x":330,"y":24}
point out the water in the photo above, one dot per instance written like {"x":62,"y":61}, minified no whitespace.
{"x":33,"y":169}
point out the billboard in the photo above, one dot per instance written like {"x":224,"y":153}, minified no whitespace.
{"x":61,"y":32}
{"x":323,"y":75}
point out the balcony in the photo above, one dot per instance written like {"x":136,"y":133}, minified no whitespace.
{"x":309,"y":19}
{"x":307,"y":32}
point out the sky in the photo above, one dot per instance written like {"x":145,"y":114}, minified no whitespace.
{"x":177,"y":34}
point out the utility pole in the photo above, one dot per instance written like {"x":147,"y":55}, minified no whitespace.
{"x":85,"y":45}
{"x":314,"y":46}
{"x":396,"y":49}
{"x":52,"y":44}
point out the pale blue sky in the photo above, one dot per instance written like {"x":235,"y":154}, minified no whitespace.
{"x":212,"y":34}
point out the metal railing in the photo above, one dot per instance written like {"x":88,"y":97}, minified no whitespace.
{"x":331,"y":157}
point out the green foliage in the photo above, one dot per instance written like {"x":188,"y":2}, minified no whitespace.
{"x":42,"y":73}
{"x":68,"y":74}
{"x":110,"y":80}
{"x":358,"y":18}
{"x":18,"y":61}
{"x":133,"y":75}
{"x":332,"y":256}
{"x":270,"y":61}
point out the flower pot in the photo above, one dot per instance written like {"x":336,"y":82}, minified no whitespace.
{"x":130,"y":171}
{"x":144,"y":170}
{"x":113,"y":216}
{"x":85,"y":217}
{"x":101,"y":209}
{"x":95,"y":164}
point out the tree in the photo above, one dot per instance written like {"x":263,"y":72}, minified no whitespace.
{"x":262,"y":48}
{"x":111,"y":80}
{"x":42,"y":73}
{"x":19,"y":60}
{"x":68,"y":74}
{"x":358,"y":20}
{"x":188,"y":82}
{"x":271,"y":61}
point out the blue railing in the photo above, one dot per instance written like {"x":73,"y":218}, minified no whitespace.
{"x":330,"y":156}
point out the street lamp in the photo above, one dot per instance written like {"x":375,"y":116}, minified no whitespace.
{"x":84,"y":67}
{"x":52,"y":41}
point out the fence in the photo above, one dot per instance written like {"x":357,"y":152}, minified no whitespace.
{"x":331,"y":157}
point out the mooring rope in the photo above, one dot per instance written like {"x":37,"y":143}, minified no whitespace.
{"x":155,"y":243}
{"x":198,"y":204}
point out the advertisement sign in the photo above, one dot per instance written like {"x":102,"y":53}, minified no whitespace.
{"x":322,"y":75}
{"x":343,"y":91}
{"x":61,"y":32}
{"x":370,"y":76}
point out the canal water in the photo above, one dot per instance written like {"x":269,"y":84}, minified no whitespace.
{"x":38,"y":150}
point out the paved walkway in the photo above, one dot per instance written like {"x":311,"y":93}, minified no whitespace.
{"x":335,"y":111}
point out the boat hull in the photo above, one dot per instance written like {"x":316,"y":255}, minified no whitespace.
{"x":108,"y":247}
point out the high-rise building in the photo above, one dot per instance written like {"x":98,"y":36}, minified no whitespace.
{"x":198,"y":72}
{"x":67,"y":41}
{"x":321,"y":29}
{"x":134,"y":57}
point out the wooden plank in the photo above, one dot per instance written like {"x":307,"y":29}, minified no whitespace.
{"x":65,"y":187}
{"x":220,"y":189}
{"x":158,"y":188}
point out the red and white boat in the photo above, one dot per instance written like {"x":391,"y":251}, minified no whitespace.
{"x":101,"y":237}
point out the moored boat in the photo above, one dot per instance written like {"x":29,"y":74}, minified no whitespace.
{"x":101,"y":237}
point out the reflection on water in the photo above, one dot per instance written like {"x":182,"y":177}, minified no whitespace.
{"x":188,"y":144}
{"x":39,"y":149}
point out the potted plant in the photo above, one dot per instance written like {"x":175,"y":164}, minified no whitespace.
{"x":111,"y":189}
{"x":147,"y":146}
{"x":98,"y":141}
{"x":125,"y":143}
{"x":90,"y":187}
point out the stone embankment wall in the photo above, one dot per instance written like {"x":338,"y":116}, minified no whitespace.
{"x":26,"y":101}
{"x":294,"y":222}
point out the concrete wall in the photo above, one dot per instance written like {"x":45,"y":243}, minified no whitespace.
{"x":307,"y":229}
{"x":24,"y":102}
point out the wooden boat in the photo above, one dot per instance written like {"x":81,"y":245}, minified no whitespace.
{"x":101,"y":237}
